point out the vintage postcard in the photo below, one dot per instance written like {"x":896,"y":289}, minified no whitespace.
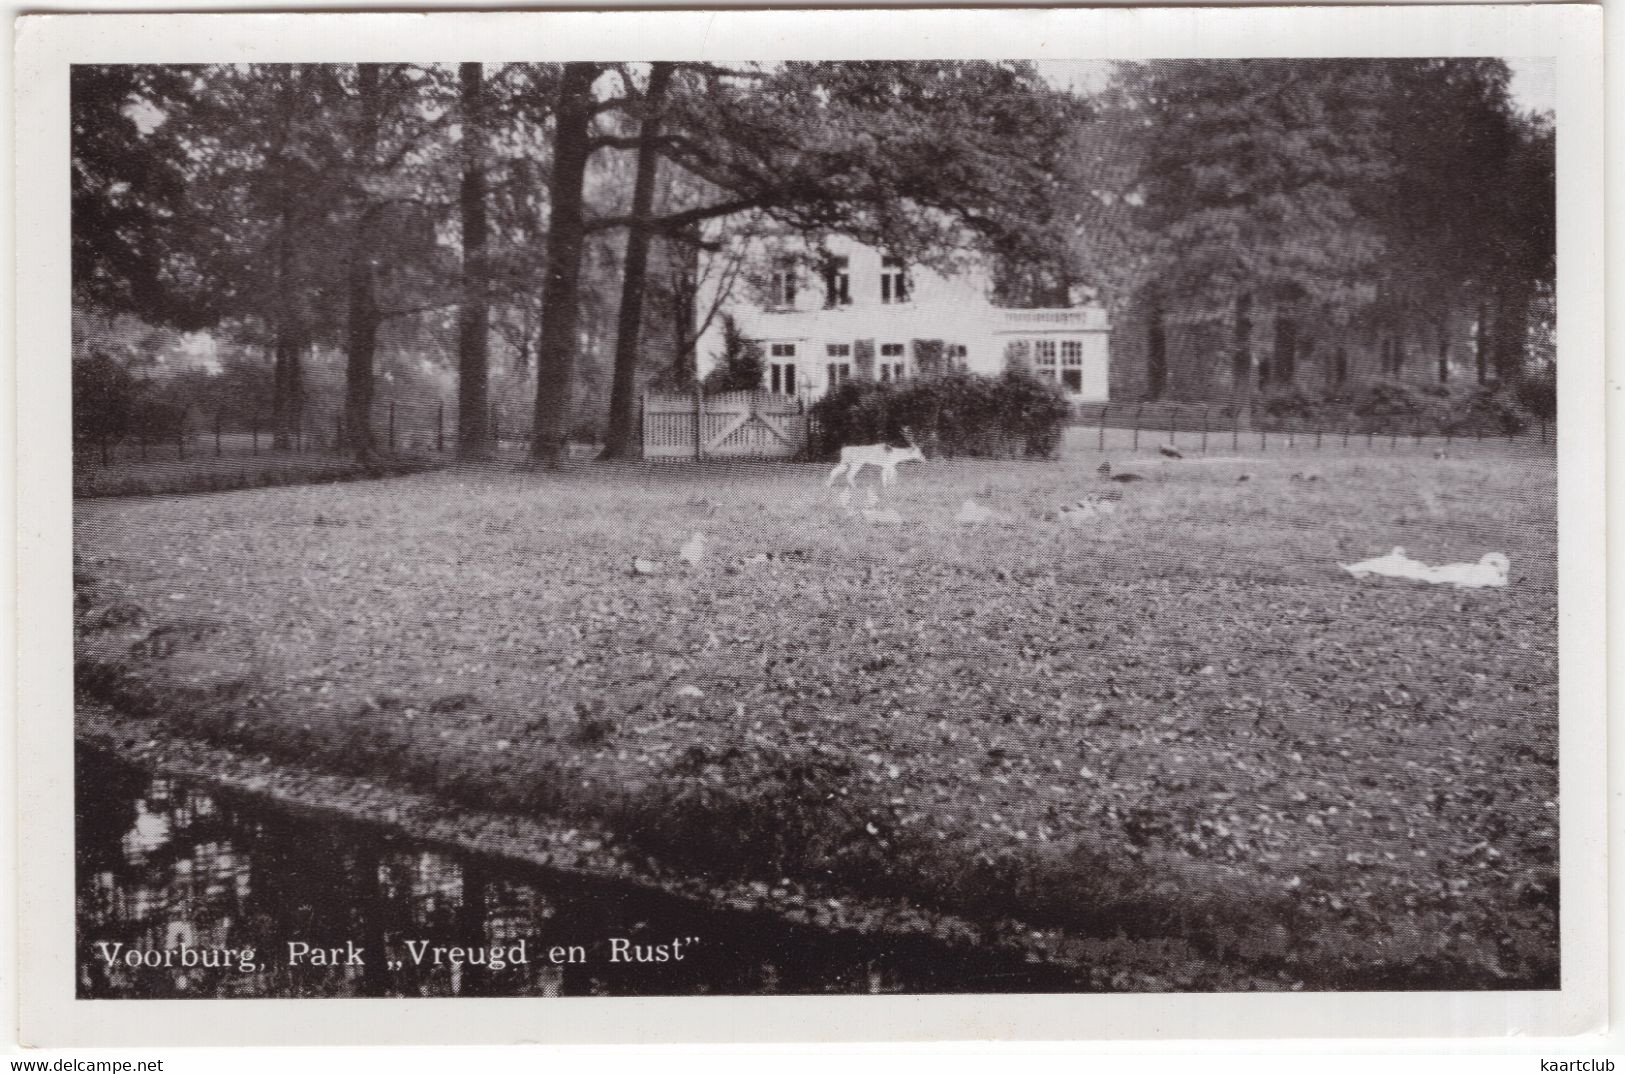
{"x":809,"y":525}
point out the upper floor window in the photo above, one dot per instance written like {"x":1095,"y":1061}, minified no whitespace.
{"x":783,"y":285}
{"x":837,"y":282}
{"x":1072,"y":352}
{"x":1044,"y":355}
{"x":893,"y":280}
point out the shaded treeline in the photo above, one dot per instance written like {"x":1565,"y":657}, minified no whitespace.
{"x":544,"y":228}
{"x":1268,"y":224}
{"x":325,"y":209}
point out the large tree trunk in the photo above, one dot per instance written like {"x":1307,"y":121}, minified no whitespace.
{"x":296,"y":384}
{"x":1241,"y":359}
{"x":1482,"y":347}
{"x":682,"y":312}
{"x":1285,"y":364}
{"x":620,"y":442}
{"x":555,"y":360}
{"x":362,"y":346}
{"x":685,"y":293}
{"x":1512,"y":330}
{"x":363,"y":304}
{"x":1156,"y":358}
{"x":287,"y":331}
{"x":473,"y":350}
{"x":284,"y":408}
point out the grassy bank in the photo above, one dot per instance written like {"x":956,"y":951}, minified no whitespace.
{"x":1175,"y":725}
{"x":205,"y":472}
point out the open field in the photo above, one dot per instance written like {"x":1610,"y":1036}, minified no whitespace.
{"x":1178,"y":728}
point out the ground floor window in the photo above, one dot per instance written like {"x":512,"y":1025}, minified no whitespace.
{"x":1056,"y":360}
{"x":1072,"y":365}
{"x":1044,"y":358}
{"x":958,"y":356}
{"x":781,"y":371}
{"x":893,"y":368}
{"x":839,"y":369}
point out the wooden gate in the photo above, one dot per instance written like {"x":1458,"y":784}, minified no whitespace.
{"x":733,"y":424}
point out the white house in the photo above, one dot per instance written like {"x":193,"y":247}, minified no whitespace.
{"x":840,"y":310}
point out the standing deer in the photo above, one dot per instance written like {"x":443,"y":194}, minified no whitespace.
{"x":883,"y":456}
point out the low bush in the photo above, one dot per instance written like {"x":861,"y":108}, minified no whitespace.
{"x":1405,"y":408}
{"x":111,"y":404}
{"x":740,"y":366}
{"x":1490,"y":410}
{"x":958,"y":413}
{"x":1537,"y":394}
{"x":1293,"y":407}
{"x":1394,"y":406}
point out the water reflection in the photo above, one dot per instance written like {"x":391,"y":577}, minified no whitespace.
{"x":218,"y":887}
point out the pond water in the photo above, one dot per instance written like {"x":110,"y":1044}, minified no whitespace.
{"x":190,"y":893}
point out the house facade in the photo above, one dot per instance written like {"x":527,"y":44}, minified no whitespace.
{"x":844,"y":310}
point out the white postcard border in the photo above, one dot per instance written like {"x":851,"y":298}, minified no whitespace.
{"x":50,"y":1015}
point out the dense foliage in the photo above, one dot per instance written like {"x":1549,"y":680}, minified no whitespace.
{"x":1302,"y":220}
{"x":346,"y":213}
{"x":1405,"y":408}
{"x":739,"y":366}
{"x":539,"y":233}
{"x":955,"y":414}
{"x":112,"y":405}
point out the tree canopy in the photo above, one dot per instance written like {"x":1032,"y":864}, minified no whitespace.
{"x":541,"y":227}
{"x":1401,"y":200}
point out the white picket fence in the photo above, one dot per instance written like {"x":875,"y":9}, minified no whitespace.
{"x":732,"y":424}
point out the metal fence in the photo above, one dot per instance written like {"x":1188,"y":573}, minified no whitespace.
{"x":765,"y":425}
{"x":414,"y":426}
{"x":1203,"y":428}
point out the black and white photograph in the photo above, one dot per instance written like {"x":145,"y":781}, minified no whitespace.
{"x":1063,"y":524}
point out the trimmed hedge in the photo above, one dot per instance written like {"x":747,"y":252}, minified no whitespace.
{"x":1013,"y":414}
